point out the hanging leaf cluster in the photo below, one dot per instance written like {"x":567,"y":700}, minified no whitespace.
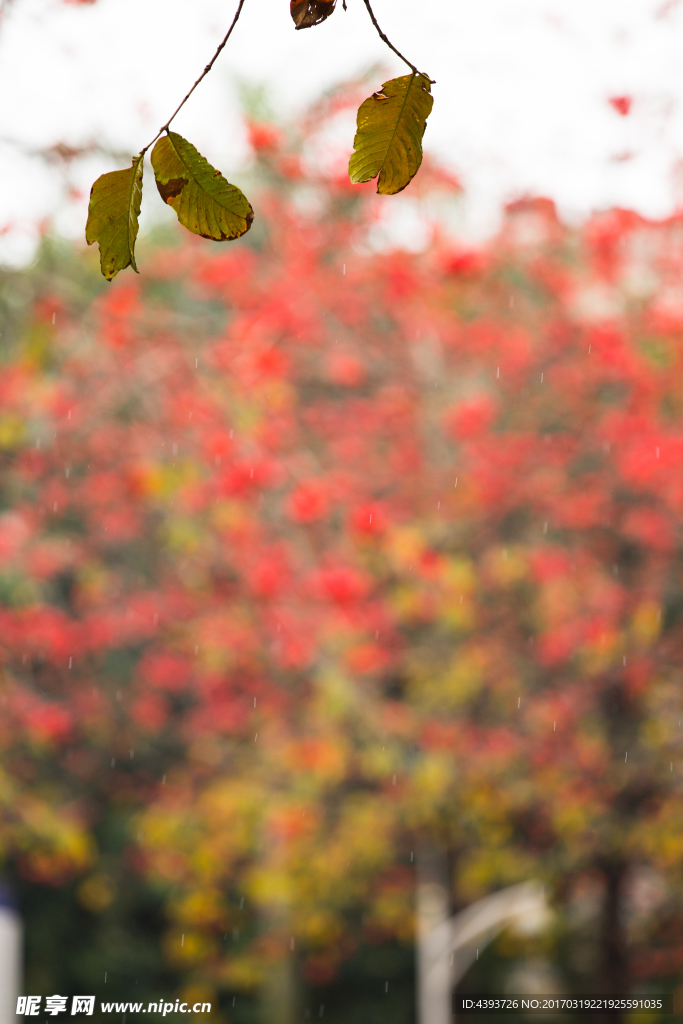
{"x":387,"y":146}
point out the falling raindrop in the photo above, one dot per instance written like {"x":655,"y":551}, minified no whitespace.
{"x":498,"y":371}
{"x":376,"y":634}
{"x":626,"y":757}
{"x":344,"y":269}
{"x":255,"y":737}
{"x":242,"y":903}
{"x":182,"y":941}
{"x":554,"y":726}
{"x":291,"y":942}
{"x":113,"y":761}
{"x":519,"y":701}
{"x":71,"y":661}
{"x":163,"y":781}
{"x":545,"y":526}
{"x":386,"y":986}
{"x":393,"y":781}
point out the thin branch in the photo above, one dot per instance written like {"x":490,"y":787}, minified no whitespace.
{"x":203,"y":75}
{"x":391,"y":46}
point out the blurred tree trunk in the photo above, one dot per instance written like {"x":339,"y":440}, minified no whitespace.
{"x":280,"y":996}
{"x":281,"y":990}
{"x":613,"y":962}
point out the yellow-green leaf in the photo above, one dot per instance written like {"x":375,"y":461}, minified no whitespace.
{"x":203,"y":200}
{"x":113,"y":217}
{"x":389,"y":132}
{"x":306,"y":13}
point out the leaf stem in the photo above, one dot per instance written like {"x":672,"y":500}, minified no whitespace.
{"x":391,"y":46}
{"x":203,"y":75}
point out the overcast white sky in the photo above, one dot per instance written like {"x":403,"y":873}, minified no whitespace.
{"x":521,"y":100}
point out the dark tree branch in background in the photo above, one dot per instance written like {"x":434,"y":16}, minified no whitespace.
{"x":202,"y":76}
{"x":63,"y":154}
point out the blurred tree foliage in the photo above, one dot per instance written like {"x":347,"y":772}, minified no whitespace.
{"x":319,"y":549}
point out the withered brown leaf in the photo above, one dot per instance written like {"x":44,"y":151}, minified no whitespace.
{"x":306,"y":13}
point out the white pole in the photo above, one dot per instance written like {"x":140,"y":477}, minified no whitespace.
{"x":11,"y":958}
{"x":433,"y":908}
{"x":447,"y":946}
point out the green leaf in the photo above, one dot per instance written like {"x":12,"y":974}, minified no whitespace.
{"x":203,"y":200}
{"x":113,"y":217}
{"x":306,"y":13}
{"x":389,"y":132}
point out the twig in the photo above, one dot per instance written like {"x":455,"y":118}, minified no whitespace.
{"x":391,"y":46}
{"x":203,"y":75}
